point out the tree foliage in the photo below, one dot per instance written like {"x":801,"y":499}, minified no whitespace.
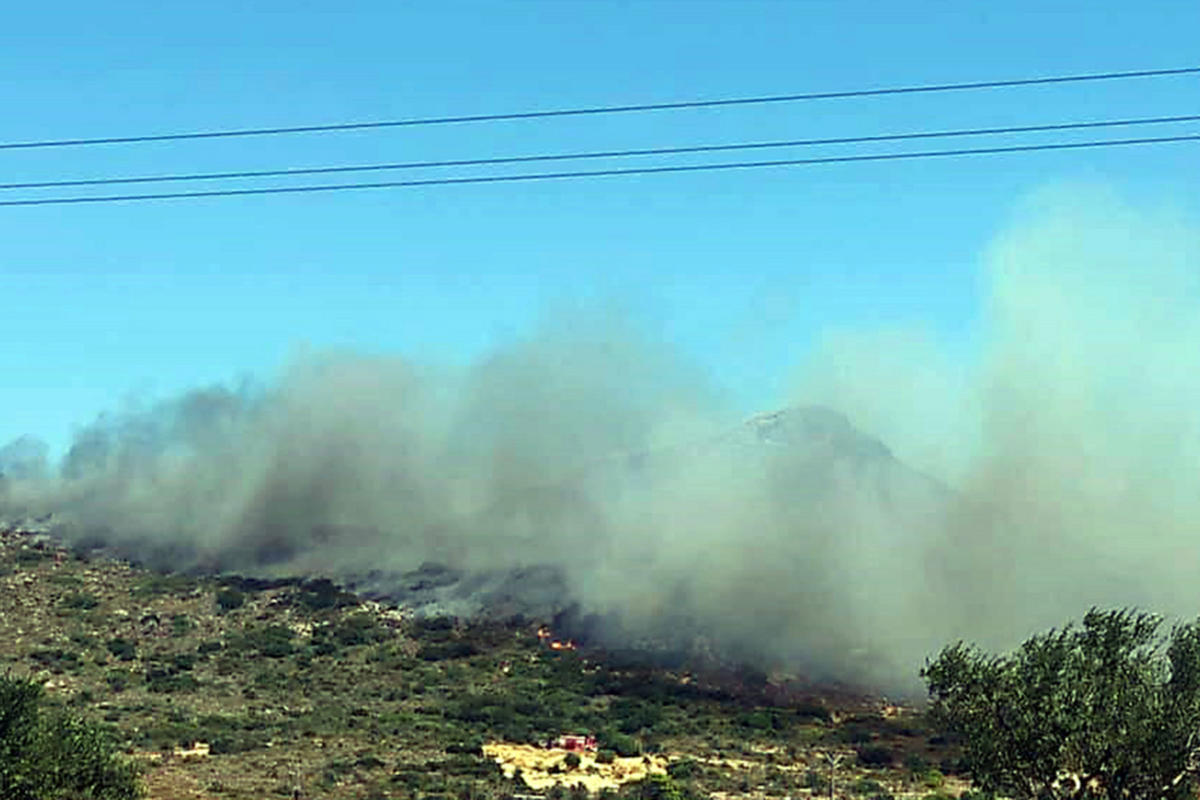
{"x":56,"y":756}
{"x":1109,"y":709}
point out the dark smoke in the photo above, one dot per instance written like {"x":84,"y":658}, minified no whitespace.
{"x":590,"y":472}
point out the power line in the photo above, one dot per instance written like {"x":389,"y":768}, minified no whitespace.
{"x":541,"y":176}
{"x":595,"y":110}
{"x":657,"y":151}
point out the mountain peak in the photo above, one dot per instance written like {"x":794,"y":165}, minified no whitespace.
{"x":816,"y":426}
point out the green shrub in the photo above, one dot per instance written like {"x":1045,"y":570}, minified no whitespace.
{"x":273,"y":641}
{"x":122,"y":649}
{"x":323,"y":643}
{"x":167,"y":680}
{"x":875,"y":756}
{"x":80,"y":601}
{"x":657,"y":787}
{"x":634,"y":714}
{"x":463,"y":766}
{"x":816,"y":781}
{"x":916,"y":765}
{"x":433,"y":625}
{"x":975,"y":794}
{"x":606,"y":757}
{"x":811,"y":709}
{"x":27,"y":558}
{"x":83,"y":640}
{"x":270,"y":678}
{"x":757,"y":720}
{"x":408,"y":778}
{"x":231,"y":734}
{"x":623,"y":745}
{"x":57,"y":660}
{"x":323,"y":594}
{"x":359,"y":629}
{"x":1113,"y":698}
{"x":181,"y":625}
{"x":868,"y":787}
{"x":369,"y":761}
{"x":230,"y":599}
{"x":117,"y":680}
{"x":56,"y":756}
{"x":156,"y":585}
{"x":473,"y":747}
{"x":443,"y":651}
{"x":853,"y":734}
{"x":183,"y":661}
{"x":571,"y":761}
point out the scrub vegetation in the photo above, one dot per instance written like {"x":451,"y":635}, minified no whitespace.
{"x":300,"y":688}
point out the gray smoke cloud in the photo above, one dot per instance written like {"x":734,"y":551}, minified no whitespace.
{"x":1057,"y":470}
{"x":1073,"y":443}
{"x":25,"y":458}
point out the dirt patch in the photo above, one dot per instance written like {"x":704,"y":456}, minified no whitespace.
{"x":542,"y":767}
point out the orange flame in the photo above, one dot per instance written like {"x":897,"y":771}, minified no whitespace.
{"x":546,"y":635}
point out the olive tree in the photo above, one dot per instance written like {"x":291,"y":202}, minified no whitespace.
{"x":57,"y":755}
{"x":1106,"y":709}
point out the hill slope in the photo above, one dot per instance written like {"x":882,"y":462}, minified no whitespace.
{"x":300,"y":685}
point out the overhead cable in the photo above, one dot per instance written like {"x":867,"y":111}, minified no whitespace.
{"x":596,"y":110}
{"x":656,"y":151}
{"x":545,"y":176}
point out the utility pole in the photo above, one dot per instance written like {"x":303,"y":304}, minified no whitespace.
{"x":834,"y":760}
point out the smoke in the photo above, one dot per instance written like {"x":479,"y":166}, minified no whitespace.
{"x":25,"y":458}
{"x":1073,"y":442}
{"x":1063,"y":458}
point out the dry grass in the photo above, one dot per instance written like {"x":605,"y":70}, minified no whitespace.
{"x":543,"y":767}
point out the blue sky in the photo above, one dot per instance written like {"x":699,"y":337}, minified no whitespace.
{"x":742,"y":270}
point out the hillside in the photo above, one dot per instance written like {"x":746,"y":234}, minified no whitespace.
{"x":302,"y":689}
